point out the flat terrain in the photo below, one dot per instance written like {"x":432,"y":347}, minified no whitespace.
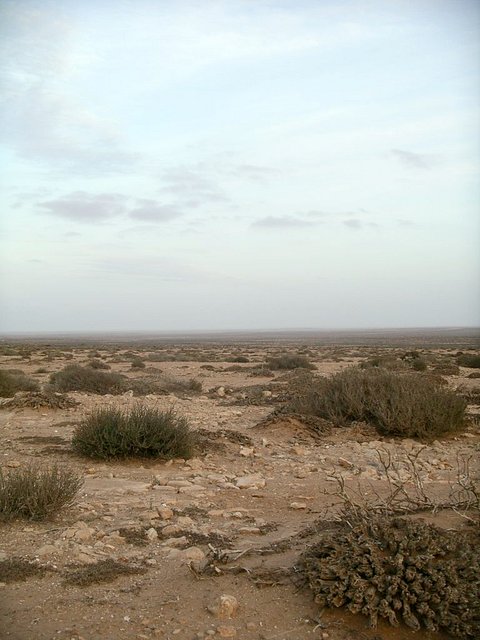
{"x":231,"y":521}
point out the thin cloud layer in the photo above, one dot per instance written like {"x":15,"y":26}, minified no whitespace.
{"x":281,"y":222}
{"x":86,"y":208}
{"x":150,"y":211}
{"x":412,"y":160}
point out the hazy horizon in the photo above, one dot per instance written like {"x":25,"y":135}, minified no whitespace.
{"x":239,"y":166}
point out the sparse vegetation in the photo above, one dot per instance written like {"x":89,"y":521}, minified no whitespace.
{"x":289,"y":361}
{"x":138,"y":363}
{"x":141,"y":432}
{"x":37,"y":399}
{"x":106,"y":570}
{"x":37,"y":493}
{"x":397,"y":569}
{"x":407,"y":405}
{"x":98,"y":364}
{"x":76,"y":378}
{"x":12,"y":382}
{"x":470,"y":361}
{"x":19,"y":569}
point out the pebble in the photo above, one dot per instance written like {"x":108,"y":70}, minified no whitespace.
{"x":253,"y":481}
{"x":226,"y":631}
{"x":298,"y":505}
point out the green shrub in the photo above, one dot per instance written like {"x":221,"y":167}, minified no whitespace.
{"x":98,"y":364}
{"x":76,"y":378}
{"x":471,"y":361}
{"x":37,"y":493}
{"x":385,"y":362}
{"x":11,"y":383}
{"x":138,"y":363}
{"x":289,"y":361}
{"x":140,"y":432}
{"x":407,"y":405}
{"x":419,"y":364}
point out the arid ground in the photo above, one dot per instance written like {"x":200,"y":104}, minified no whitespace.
{"x":213,"y":542}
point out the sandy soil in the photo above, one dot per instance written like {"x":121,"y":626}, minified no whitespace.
{"x":254,"y":484}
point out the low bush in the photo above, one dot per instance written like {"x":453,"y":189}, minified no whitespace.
{"x":37,"y":493}
{"x":11,"y":383}
{"x":140,"y":432}
{"x":419,"y":364}
{"x":98,"y":364}
{"x":399,"y":570}
{"x":408,"y":405}
{"x":138,"y":363}
{"x":76,"y":378}
{"x":470,"y":361}
{"x":385,"y":362}
{"x":289,"y":361}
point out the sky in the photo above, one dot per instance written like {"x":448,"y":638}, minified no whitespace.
{"x":239,"y":164}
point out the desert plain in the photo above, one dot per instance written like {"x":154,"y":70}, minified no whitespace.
{"x":213,"y":543}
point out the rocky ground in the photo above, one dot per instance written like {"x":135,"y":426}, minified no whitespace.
{"x":210,"y":543}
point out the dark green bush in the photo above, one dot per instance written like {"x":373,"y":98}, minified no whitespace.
{"x":471,"y":361}
{"x":407,"y":405}
{"x":289,"y":361}
{"x":37,"y":493}
{"x":140,"y":432}
{"x":11,"y":383}
{"x":419,"y":364}
{"x":76,"y":378}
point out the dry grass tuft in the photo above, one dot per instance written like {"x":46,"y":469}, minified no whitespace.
{"x":37,"y":493}
{"x":19,"y":569}
{"x":102,"y":571}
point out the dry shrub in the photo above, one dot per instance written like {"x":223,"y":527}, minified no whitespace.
{"x":12,"y":382}
{"x":98,"y":364}
{"x":137,"y":363}
{"x":106,"y":570}
{"x":469,"y":360}
{"x":170,"y":384}
{"x":140,"y":432}
{"x":37,"y":493}
{"x":39,"y":399}
{"x":289,"y":361}
{"x":407,"y":405}
{"x":76,"y":378}
{"x":19,"y":569}
{"x":398,"y":569}
{"x":385,"y":362}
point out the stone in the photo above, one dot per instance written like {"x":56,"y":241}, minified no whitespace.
{"x":165,"y":513}
{"x":171,"y":530}
{"x":226,"y":607}
{"x":226,"y":631}
{"x":221,"y":392}
{"x":46,"y":550}
{"x":298,"y":505}
{"x":193,"y":554}
{"x":152,"y":534}
{"x":253,"y":481}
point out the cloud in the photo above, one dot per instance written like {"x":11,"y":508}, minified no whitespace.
{"x":253,"y":172}
{"x":80,"y":206}
{"x":151,"y":211}
{"x":192,"y":187}
{"x":281,"y":222}
{"x":412,"y":160}
{"x":352,"y":223}
{"x":45,"y":117}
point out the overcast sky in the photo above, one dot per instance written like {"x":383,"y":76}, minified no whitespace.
{"x":239,"y":164}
